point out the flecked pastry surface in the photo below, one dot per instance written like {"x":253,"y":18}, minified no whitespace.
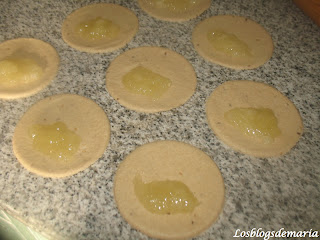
{"x":170,"y":160}
{"x":250,"y":33}
{"x":153,"y":9}
{"x":81,"y":115}
{"x":250,"y":94}
{"x":159,"y":60}
{"x":41,"y":53}
{"x":124,"y":18}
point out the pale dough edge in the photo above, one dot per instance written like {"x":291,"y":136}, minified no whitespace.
{"x":183,"y":82}
{"x":48,"y":53}
{"x":74,"y":42}
{"x":26,"y":154}
{"x":174,"y":221}
{"x":172,"y":16}
{"x":245,"y":144}
{"x":201,"y":44}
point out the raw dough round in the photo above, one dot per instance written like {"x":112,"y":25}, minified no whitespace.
{"x":81,"y":115}
{"x":250,"y":94}
{"x":42,"y":53}
{"x":121,"y":16}
{"x":170,"y":160}
{"x":246,"y":30}
{"x":159,"y":60}
{"x":173,"y":16}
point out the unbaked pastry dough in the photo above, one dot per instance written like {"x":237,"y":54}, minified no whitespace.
{"x":170,"y":160}
{"x":162,"y":13}
{"x":121,"y":16}
{"x":81,"y":115}
{"x":250,"y":94}
{"x":42,"y":53}
{"x":159,"y":60}
{"x":251,"y":33}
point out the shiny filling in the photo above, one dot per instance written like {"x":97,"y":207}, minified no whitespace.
{"x":55,"y":140}
{"x":173,"y":5}
{"x":19,"y":71}
{"x":255,"y":122}
{"x":165,"y":197}
{"x":228,"y":43}
{"x":143,"y":81}
{"x":97,"y":29}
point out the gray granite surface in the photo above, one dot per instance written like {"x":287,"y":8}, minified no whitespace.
{"x":268,"y":193}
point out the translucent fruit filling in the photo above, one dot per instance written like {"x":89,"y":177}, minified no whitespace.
{"x":143,"y":81}
{"x":19,"y":71}
{"x":165,"y":197}
{"x":55,"y":140}
{"x":173,"y":5}
{"x":228,"y":43}
{"x":97,"y":29}
{"x":255,"y":122}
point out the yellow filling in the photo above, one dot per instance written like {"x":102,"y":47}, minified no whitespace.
{"x":98,"y":29}
{"x":173,"y":5}
{"x":228,"y":43}
{"x":141,"y":80}
{"x":255,"y":122}
{"x":165,"y":197}
{"x":55,"y":140}
{"x":19,"y":71}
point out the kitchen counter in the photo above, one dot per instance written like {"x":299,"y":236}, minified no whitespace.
{"x":267,"y":193}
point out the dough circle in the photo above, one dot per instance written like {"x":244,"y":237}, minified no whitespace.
{"x":246,"y":94}
{"x":42,"y":53}
{"x":170,"y":160}
{"x":166,"y":15}
{"x":159,"y":60}
{"x":248,"y":31}
{"x":81,"y":115}
{"x":123,"y":17}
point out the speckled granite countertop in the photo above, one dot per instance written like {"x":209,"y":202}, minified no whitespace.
{"x":270,"y":193}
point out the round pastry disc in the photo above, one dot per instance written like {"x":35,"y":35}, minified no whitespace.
{"x":121,"y":16}
{"x":42,"y":53}
{"x":161,"y":61}
{"x":79,"y":114}
{"x":251,"y":33}
{"x":170,"y":160}
{"x":250,"y":94}
{"x":165,"y":14}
